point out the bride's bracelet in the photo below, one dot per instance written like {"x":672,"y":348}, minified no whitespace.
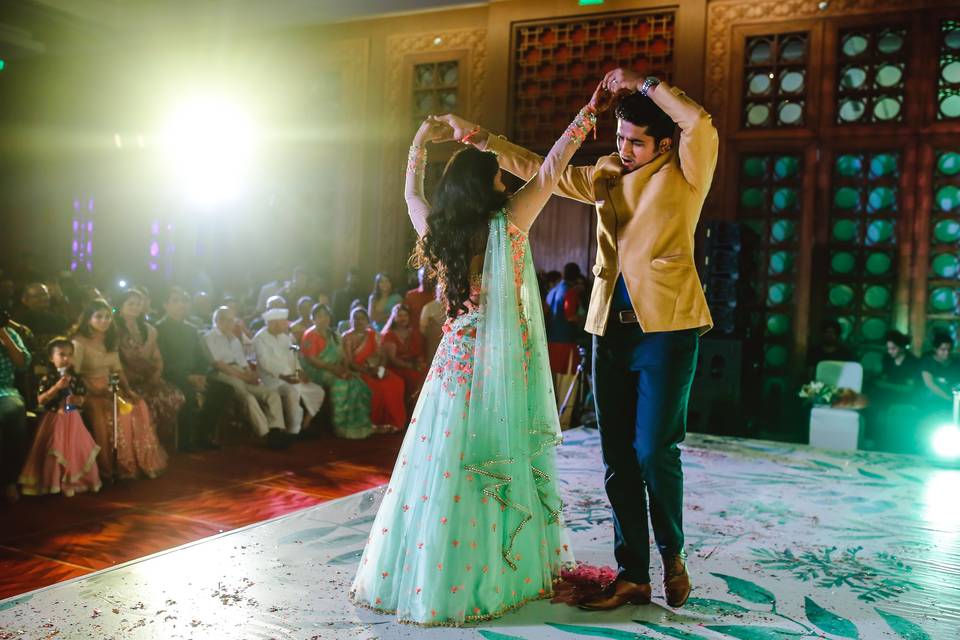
{"x":416,"y":159}
{"x":585,"y":121}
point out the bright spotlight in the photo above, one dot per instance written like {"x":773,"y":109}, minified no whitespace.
{"x":122,"y":284}
{"x":210,"y":141}
{"x":946,"y":442}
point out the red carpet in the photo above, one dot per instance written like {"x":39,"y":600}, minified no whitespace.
{"x":44,"y":540}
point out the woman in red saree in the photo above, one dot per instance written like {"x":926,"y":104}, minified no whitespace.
{"x":405,"y":352}
{"x":362,"y":347}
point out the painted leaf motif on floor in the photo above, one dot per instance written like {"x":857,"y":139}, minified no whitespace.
{"x":828,"y":621}
{"x":749,"y":591}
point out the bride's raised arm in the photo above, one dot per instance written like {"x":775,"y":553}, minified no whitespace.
{"x":527,"y":203}
{"x":417,"y":206}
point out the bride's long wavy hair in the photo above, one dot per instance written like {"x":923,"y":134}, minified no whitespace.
{"x":458,"y":223}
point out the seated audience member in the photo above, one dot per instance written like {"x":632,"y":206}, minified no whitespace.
{"x":417,"y":298}
{"x":240,"y":326}
{"x":7,"y":294}
{"x":405,"y":353}
{"x":14,"y":356}
{"x":63,"y":457}
{"x":564,"y":321}
{"x":187,"y":367}
{"x":298,"y":287}
{"x":326,"y":364}
{"x":898,"y":381}
{"x":362,"y":348}
{"x":432,"y":318}
{"x":303,"y":321}
{"x":59,"y":302}
{"x":233,"y":370}
{"x":273,"y":302}
{"x":343,"y":298}
{"x":279,"y":366}
{"x":344,"y":325}
{"x":34,"y":311}
{"x":201,"y":311}
{"x":829,"y":347}
{"x":939,"y":374}
{"x":272,"y":288}
{"x":143,"y":364}
{"x":97,"y":360}
{"x":381,"y":301}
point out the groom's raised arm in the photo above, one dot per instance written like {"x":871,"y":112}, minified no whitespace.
{"x":575,"y":183}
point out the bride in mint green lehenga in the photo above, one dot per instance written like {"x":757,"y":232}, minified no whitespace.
{"x":470,"y":525}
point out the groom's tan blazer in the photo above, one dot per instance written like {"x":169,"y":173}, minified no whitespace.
{"x":646,"y":219}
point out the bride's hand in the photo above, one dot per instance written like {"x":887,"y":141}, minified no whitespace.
{"x":457,"y":125}
{"x":433,"y":131}
{"x":602,"y":98}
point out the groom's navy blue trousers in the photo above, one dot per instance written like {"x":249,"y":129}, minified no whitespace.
{"x":642,"y":385}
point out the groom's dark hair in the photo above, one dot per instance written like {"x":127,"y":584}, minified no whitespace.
{"x":641,"y":111}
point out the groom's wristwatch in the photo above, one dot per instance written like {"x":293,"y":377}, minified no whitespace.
{"x":648,"y":84}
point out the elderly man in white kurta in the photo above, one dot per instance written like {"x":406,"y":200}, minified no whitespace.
{"x":278,"y":366}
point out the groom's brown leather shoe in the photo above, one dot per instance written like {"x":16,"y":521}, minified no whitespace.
{"x":676,"y":581}
{"x":619,"y":593}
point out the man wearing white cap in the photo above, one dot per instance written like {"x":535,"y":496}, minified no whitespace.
{"x":278,"y":366}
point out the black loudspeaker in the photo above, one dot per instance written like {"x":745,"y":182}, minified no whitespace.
{"x":725,"y":274}
{"x":716,"y":392}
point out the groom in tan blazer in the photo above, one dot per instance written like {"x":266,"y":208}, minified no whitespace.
{"x":647,"y":311}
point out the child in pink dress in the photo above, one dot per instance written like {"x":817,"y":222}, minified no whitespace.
{"x":63,"y":458}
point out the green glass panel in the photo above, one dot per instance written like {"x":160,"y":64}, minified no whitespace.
{"x":873,"y":329}
{"x":943,"y":299}
{"x":778,"y":324}
{"x":947,"y":231}
{"x":779,"y":293}
{"x":872,"y":362}
{"x":780,"y":262}
{"x":786,"y":167}
{"x":783,"y":231}
{"x":791,"y":81}
{"x":754,"y":166}
{"x":889,"y":75}
{"x":752,"y":197}
{"x":886,"y":108}
{"x":849,"y":165}
{"x":876,"y":296}
{"x":952,"y":39}
{"x":846,"y":327}
{"x":760,"y":52}
{"x":949,"y":163}
{"x":851,"y":110}
{"x":759,"y":84}
{"x":785,"y":199}
{"x":790,"y":113}
{"x":792,"y":49}
{"x":847,"y":198}
{"x":945,"y":265}
{"x":948,"y":198}
{"x":950,"y":106}
{"x":842,"y":262}
{"x":890,"y":42}
{"x":950,"y":72}
{"x":840,"y":295}
{"x":882,"y":165}
{"x":879,"y":232}
{"x":853,"y":78}
{"x":853,"y":45}
{"x":758,"y":115}
{"x":776,"y":356}
{"x":845,"y":230}
{"x":881,"y":199}
{"x":878,"y":263}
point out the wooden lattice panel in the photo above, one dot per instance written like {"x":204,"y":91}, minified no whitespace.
{"x":557,"y":65}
